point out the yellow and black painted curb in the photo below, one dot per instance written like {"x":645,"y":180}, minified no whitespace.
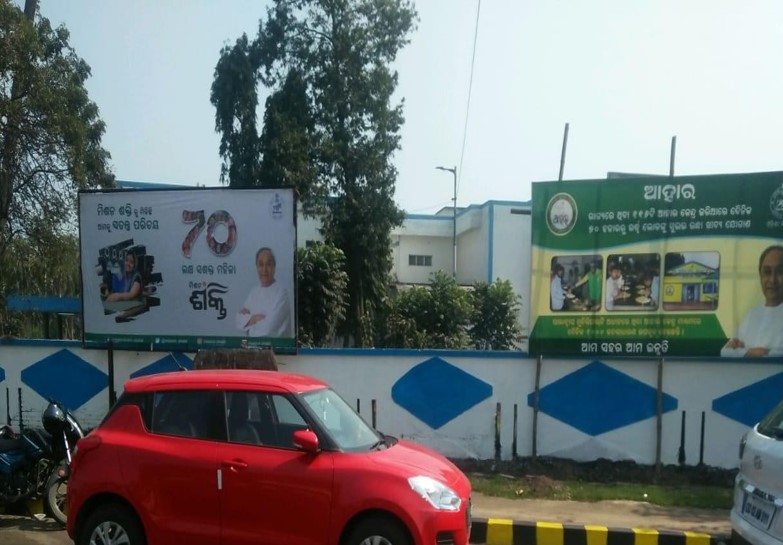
{"x":497,"y":531}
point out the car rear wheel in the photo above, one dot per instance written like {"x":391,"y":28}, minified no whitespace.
{"x":112,"y":524}
{"x":379,"y":531}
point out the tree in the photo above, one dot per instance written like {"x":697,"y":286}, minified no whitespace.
{"x":495,"y":309}
{"x":37,"y":269}
{"x":286,"y":143}
{"x":50,"y":131}
{"x":235,"y":97}
{"x":435,"y":316}
{"x":283,"y":154}
{"x":342,"y":50}
{"x":322,"y":293}
{"x":673,"y":260}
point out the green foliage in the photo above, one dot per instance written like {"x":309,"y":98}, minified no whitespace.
{"x":540,"y":487}
{"x":495,"y":315}
{"x":361,"y":227}
{"x":50,"y":131}
{"x":400,"y":326}
{"x":322,"y":293}
{"x":235,"y":97}
{"x":50,"y":269}
{"x":339,"y":53}
{"x":50,"y":147}
{"x":430,"y":317}
{"x":286,"y":142}
{"x":444,"y":315}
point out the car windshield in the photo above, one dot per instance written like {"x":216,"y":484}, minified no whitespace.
{"x":772,"y":425}
{"x":348,"y":430}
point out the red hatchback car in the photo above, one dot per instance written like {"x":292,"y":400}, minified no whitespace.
{"x":238,"y":457}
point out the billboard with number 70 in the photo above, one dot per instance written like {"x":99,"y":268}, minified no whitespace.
{"x":188,"y":269}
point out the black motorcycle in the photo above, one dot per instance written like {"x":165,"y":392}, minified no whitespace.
{"x":34,"y":464}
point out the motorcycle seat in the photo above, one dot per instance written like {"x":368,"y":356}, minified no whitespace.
{"x":7,"y":445}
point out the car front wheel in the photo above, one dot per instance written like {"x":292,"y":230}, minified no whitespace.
{"x":379,"y":531}
{"x":112,"y":524}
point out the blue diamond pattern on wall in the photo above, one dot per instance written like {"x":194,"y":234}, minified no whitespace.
{"x":172,"y":362}
{"x":65,"y":377}
{"x":597,"y":399}
{"x":750,"y":404}
{"x":437,"y":392}
{"x":2,"y":374}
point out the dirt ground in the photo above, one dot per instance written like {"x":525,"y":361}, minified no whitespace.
{"x":545,"y":474}
{"x":25,"y":530}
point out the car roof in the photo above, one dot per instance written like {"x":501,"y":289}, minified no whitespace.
{"x":225,"y":378}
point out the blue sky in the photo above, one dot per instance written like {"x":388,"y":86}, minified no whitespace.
{"x":626,"y":75}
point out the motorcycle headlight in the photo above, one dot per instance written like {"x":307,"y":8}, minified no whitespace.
{"x":436,"y":493}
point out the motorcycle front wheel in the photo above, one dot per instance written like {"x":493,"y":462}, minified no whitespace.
{"x":56,"y":496}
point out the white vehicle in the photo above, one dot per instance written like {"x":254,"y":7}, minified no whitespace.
{"x":756,"y":517}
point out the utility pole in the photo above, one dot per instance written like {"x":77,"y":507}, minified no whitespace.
{"x":454,"y":226}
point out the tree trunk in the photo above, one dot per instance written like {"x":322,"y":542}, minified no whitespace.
{"x":30,"y":7}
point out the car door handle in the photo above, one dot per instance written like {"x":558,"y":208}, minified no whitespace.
{"x":234,"y":465}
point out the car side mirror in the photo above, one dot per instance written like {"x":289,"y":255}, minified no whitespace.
{"x":306,"y":440}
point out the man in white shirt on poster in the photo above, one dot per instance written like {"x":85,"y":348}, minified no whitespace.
{"x":266,"y":309}
{"x":614,"y":285}
{"x":761,"y":331}
{"x":557,"y":293}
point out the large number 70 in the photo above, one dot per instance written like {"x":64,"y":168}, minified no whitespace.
{"x":219,"y":217}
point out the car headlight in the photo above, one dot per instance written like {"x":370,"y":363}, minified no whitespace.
{"x":436,"y":493}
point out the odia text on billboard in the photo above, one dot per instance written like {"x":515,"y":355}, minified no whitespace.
{"x":688,"y":266}
{"x":188,"y":269}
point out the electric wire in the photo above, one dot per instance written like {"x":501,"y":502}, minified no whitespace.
{"x":470,"y":92}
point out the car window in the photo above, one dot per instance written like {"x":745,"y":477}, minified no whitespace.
{"x":286,"y":412}
{"x":140,"y":400}
{"x":188,"y":413}
{"x":348,"y":430}
{"x":261,"y":418}
{"x":243,"y":417}
{"x":772,"y":424}
{"x":287,"y":420}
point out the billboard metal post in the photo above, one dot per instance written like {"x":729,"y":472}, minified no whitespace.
{"x":110,"y":365}
{"x":536,"y":399}
{"x":659,"y":417}
{"x":563,"y":152}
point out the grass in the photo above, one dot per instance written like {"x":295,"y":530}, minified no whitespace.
{"x":712,"y":496}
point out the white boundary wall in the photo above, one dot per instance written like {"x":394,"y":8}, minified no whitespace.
{"x":367,"y":375}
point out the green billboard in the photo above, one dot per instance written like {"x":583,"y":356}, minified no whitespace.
{"x":653,"y":266}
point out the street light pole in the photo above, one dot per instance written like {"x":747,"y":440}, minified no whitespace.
{"x":454,"y":227}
